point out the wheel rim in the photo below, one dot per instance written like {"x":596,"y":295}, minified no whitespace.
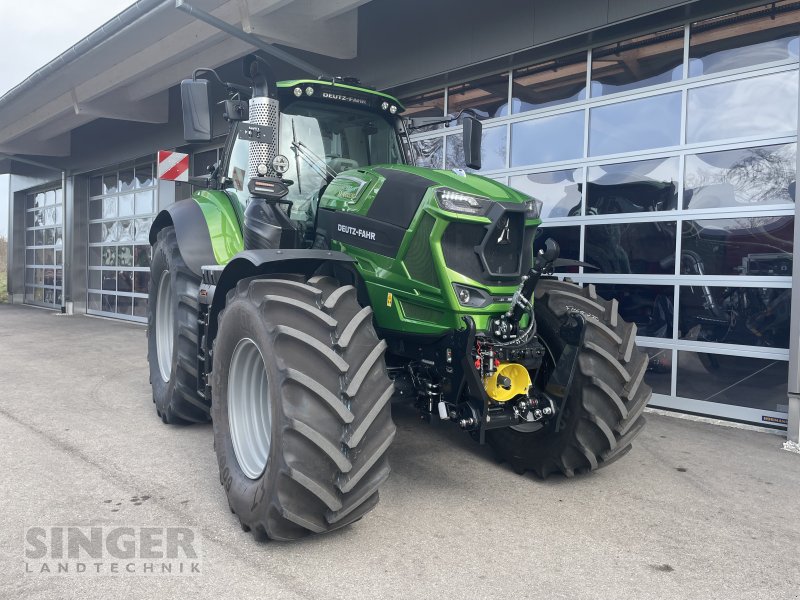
{"x":249,"y":408}
{"x":164,"y":326}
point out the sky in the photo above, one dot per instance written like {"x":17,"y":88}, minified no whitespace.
{"x":36,"y":31}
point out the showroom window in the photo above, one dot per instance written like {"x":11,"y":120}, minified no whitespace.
{"x":44,"y":255}
{"x":122,"y":204}
{"x":667,"y":161}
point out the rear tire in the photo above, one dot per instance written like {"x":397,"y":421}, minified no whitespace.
{"x":302,"y":447}
{"x":603,"y":414}
{"x":172,"y":334}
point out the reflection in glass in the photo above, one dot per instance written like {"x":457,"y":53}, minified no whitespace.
{"x":755,"y":246}
{"x":659,"y":370}
{"x":126,"y":180}
{"x":141,"y":279}
{"x":559,"y":191}
{"x":125,"y":256}
{"x":746,"y":38}
{"x":633,"y":187}
{"x":143,"y":229}
{"x":124,"y":305}
{"x":548,"y":139}
{"x":109,"y":208}
{"x":124,"y":281}
{"x":110,"y":183}
{"x":568,"y":238}
{"x":125,"y":205}
{"x":735,"y":315}
{"x":549,"y":84}
{"x":652,"y":122}
{"x":144,"y":176}
{"x":632,"y":247}
{"x":639,"y":62}
{"x":95,"y":186}
{"x":738,"y":380}
{"x":745,"y":177}
{"x":429,"y":104}
{"x":140,"y":307}
{"x":203,"y":162}
{"x":109,"y":256}
{"x":429,"y":153}
{"x":142,"y":256}
{"x":144,"y":203}
{"x":486,"y":97}
{"x":745,"y":107}
{"x":649,"y":306}
{"x":493,"y":150}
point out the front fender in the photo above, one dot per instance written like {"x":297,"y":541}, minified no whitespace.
{"x":208,"y":228}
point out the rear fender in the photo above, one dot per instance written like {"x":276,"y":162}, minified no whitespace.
{"x":208,"y":228}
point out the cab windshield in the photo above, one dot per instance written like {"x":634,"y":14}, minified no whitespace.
{"x":320,"y":142}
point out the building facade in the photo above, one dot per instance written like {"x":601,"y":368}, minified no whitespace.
{"x":660,"y":135}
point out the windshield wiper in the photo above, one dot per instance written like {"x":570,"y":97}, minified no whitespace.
{"x":315,"y":161}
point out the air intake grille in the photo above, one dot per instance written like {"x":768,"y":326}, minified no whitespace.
{"x":421,"y":313}
{"x":419,"y":261}
{"x":263,"y":111}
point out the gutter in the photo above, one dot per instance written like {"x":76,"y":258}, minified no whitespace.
{"x":99,"y":36}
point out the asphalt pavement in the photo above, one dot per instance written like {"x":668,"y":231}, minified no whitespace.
{"x":693,"y":511}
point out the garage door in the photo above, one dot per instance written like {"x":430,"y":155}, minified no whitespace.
{"x":44,"y":215}
{"x":122,"y":203}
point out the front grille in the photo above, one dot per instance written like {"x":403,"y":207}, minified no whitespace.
{"x":463,"y":244}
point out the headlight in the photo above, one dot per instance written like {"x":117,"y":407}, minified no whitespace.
{"x":473,"y":297}
{"x":533,"y":209}
{"x":460,"y":202}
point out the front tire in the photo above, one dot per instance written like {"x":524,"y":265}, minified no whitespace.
{"x":172,"y":334}
{"x":301,"y":406}
{"x":603,"y":413}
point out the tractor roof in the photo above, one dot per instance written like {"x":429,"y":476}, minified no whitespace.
{"x":342,"y":84}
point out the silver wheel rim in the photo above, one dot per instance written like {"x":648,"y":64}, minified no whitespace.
{"x":249,"y":408}
{"x":164,"y":326}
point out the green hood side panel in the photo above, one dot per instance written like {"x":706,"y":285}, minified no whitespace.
{"x":400,"y":301}
{"x":224,"y":219}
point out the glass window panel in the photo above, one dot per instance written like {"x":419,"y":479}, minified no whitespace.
{"x":144,"y":203}
{"x":95,"y":278}
{"x":659,"y":370}
{"x":737,"y":380}
{"x":125,"y":180}
{"x":29,"y":216}
{"x":142,"y":233}
{"x":765,"y":105}
{"x":742,"y":246}
{"x":95,"y":186}
{"x":633,"y":187}
{"x":125,"y":231}
{"x":50,"y":215}
{"x":58,"y":296}
{"x":50,"y":197}
{"x":95,"y":255}
{"x":109,"y":208}
{"x":49,"y":277}
{"x":549,"y":84}
{"x":568,"y":238}
{"x":58,"y":241}
{"x":429,"y":104}
{"x":38,"y":200}
{"x":59,"y":275}
{"x":142,"y":256}
{"x":144,"y":176}
{"x":95,"y":209}
{"x":49,"y":257}
{"x":559,"y":191}
{"x":59,"y":196}
{"x":39,"y":278}
{"x":59,"y":210}
{"x":39,"y":257}
{"x":38,"y":295}
{"x":140,"y":307}
{"x":124,"y":305}
{"x":59,"y":257}
{"x":639,"y":62}
{"x":125,"y":256}
{"x":29,"y":201}
{"x":110,"y":183}
{"x":109,"y":280}
{"x":124,"y":281}
{"x":49,"y":296}
{"x":141,"y":279}
{"x":748,"y":38}
{"x":30,"y":275}
{"x":29,"y":238}
{"x":38,"y":237}
{"x":493,"y":150}
{"x":94,"y":302}
{"x":49,"y":237}
{"x":429,"y":153}
{"x":647,"y":248}
{"x":652,"y":122}
{"x":735,"y":315}
{"x":111,"y":231}
{"x":125,"y":205}
{"x":649,"y":306}
{"x":764,"y":175}
{"x":30,"y":257}
{"x":487,"y":97}
{"x":109,"y":303}
{"x":548,"y":139}
{"x":96,"y":233}
{"x":109,"y":256}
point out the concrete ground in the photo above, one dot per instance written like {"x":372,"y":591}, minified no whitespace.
{"x":694,"y":511}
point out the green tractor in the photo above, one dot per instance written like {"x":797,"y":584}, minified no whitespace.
{"x":315,"y":277}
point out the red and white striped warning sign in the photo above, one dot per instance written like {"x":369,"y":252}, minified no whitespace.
{"x":173,"y":166}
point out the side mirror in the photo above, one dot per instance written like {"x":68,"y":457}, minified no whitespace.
{"x":196,"y":105}
{"x":473,"y":131}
